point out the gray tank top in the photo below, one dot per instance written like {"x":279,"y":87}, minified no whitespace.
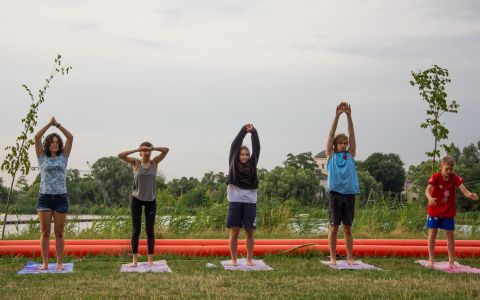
{"x":145,"y":183}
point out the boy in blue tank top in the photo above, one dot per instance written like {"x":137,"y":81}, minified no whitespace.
{"x":342,"y":183}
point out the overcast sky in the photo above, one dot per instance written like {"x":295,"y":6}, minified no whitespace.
{"x":187,"y":74}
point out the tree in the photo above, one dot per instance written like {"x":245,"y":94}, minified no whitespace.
{"x":303,"y":160}
{"x":113,"y":179}
{"x":386,"y":169}
{"x":431,"y":84}
{"x":298,"y":179}
{"x":178,"y":187}
{"x":18,"y":158}
{"x":368,"y":185}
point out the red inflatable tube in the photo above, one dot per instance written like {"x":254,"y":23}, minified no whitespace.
{"x":223,"y":250}
{"x":206,"y":242}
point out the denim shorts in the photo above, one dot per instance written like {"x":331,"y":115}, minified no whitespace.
{"x":442,"y":223}
{"x":50,"y":202}
{"x":242,"y":215}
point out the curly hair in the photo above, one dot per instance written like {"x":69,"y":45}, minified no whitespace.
{"x":48,"y":141}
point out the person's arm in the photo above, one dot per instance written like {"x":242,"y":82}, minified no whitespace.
{"x":428,"y":192}
{"x":125,"y":157}
{"x":68,"y":144}
{"x":331,"y":135}
{"x":163,"y":152}
{"x":351,"y":133}
{"x":467,"y":193}
{"x":236,"y":144}
{"x":38,"y":137}
{"x":255,"y":145}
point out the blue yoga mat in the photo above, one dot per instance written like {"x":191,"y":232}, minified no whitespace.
{"x":34,"y":268}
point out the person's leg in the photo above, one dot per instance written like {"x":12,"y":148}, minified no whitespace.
{"x":432,"y":235}
{"x":45,"y":217}
{"x":59,"y":219}
{"x":332,"y":243}
{"x":249,"y":223}
{"x":234,"y":222}
{"x":348,"y":243}
{"x":348,"y":212}
{"x":334,"y":220}
{"x":451,"y":247}
{"x":136,"y":209}
{"x":150,"y":214}
{"x":250,"y":245}
{"x":233,"y":242}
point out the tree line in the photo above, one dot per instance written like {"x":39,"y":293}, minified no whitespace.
{"x":296,"y":182}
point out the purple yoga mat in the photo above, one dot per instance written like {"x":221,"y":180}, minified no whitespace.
{"x":259,"y":265}
{"x":159,"y":266}
{"x":34,"y":268}
{"x":357,"y":265}
{"x":443,"y":266}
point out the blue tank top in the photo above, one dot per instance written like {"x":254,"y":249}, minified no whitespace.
{"x":53,"y":174}
{"x":342,"y":175}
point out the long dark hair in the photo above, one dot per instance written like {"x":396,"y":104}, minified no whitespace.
{"x":244,"y":167}
{"x":48,"y":141}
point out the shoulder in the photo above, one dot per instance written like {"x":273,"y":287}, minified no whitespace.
{"x":457,"y":180}
{"x":433,"y":179}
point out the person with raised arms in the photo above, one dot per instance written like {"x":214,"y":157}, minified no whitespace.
{"x":342,"y":183}
{"x":52,"y":157}
{"x":144,"y":194}
{"x":242,"y":191}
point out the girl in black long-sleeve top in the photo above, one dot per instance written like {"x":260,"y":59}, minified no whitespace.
{"x":242,"y":191}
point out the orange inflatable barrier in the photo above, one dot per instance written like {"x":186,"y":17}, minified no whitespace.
{"x":117,"y":247}
{"x":206,"y":242}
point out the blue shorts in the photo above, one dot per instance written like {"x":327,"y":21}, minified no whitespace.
{"x":50,"y":202}
{"x":442,"y":223}
{"x":242,"y":215}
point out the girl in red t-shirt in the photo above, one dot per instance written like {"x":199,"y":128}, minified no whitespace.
{"x":441,"y":195}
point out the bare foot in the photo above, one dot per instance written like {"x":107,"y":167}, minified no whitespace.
{"x":60,"y":267}
{"x":150,"y":260}
{"x":134,"y":265}
{"x":44,"y":266}
{"x":451,"y":265}
{"x":333,"y":262}
{"x":430,"y":264}
{"x":351,"y":262}
{"x":250,"y":263}
{"x":234,"y":262}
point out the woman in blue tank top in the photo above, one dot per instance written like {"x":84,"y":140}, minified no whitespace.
{"x":144,"y":193}
{"x":52,"y":197}
{"x":342,"y":183}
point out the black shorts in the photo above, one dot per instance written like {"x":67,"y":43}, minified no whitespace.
{"x":341,"y":208}
{"x":242,"y":215}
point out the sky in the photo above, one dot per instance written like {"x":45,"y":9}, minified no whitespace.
{"x":187,"y":74}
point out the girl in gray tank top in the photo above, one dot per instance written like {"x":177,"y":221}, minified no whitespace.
{"x":144,"y":193}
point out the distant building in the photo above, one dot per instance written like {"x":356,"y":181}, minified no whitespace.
{"x":321,"y":160}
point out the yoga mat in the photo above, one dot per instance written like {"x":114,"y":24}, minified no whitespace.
{"x":34,"y":268}
{"x":357,"y":265}
{"x":443,"y":266}
{"x":259,"y":265}
{"x":159,"y":266}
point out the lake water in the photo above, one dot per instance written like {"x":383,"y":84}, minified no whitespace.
{"x":302,"y":224}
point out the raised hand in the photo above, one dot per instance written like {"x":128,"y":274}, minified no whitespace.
{"x":249,"y":127}
{"x":53,"y":122}
{"x":145,"y":148}
{"x":339,"y":109}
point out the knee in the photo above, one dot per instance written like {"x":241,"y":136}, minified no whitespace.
{"x":59,"y":234}
{"x":234,"y":232}
{"x":249,"y":234}
{"x":333,"y":229}
{"x":347,"y":230}
{"x":45,"y":232}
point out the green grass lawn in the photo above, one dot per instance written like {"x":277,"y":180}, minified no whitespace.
{"x":293,"y":277}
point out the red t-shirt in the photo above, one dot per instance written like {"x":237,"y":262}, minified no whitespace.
{"x":445,"y":193}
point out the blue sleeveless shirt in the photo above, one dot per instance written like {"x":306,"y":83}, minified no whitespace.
{"x":342,"y":175}
{"x":53,"y":174}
